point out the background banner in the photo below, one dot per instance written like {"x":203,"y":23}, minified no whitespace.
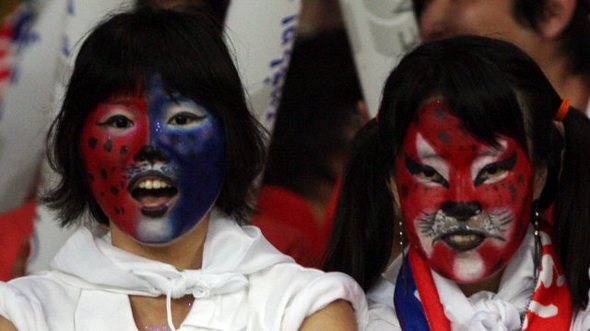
{"x":380,"y":32}
{"x":261,"y":34}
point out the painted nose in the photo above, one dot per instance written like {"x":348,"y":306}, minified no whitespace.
{"x":462,"y":211}
{"x":149,"y":153}
{"x":434,"y":21}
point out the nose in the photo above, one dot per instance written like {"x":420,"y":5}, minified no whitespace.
{"x":149,"y":153}
{"x":435,"y":20}
{"x":463,"y":210}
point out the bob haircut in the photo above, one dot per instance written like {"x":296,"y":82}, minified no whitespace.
{"x":119,"y":56}
{"x":495,"y":89}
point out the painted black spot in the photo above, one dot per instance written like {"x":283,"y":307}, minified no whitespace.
{"x":114,"y":190}
{"x":474,"y":148}
{"x":102,"y":194}
{"x":445,"y":138}
{"x":104,"y":174}
{"x":404,"y":191}
{"x":91,"y":177}
{"x":521,"y":179}
{"x":92,"y":142}
{"x":513,"y":191}
{"x":441,"y":113}
{"x":117,"y":211}
{"x":122,"y":184}
{"x":108,"y":146}
{"x":124,"y":149}
{"x":122,"y":210}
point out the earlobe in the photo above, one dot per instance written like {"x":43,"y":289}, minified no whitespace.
{"x":539,"y":182}
{"x":393,"y":189}
{"x":557,"y":15}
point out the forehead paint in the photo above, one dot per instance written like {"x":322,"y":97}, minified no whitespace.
{"x":465,"y":204}
{"x":155,"y":163}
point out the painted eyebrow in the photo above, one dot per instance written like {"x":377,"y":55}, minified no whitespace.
{"x":415,"y":168}
{"x":506,"y":164}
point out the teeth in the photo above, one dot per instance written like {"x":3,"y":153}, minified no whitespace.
{"x":155,"y":184}
{"x":463,"y":239}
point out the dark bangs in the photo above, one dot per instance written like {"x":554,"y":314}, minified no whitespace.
{"x":462,"y":72}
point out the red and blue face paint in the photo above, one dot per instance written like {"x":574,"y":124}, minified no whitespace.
{"x":155,"y":163}
{"x":465,"y":203}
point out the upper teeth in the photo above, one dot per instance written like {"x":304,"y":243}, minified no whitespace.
{"x":153,"y":184}
{"x":463,"y":239}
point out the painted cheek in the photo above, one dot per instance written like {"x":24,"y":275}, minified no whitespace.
{"x":108,"y":158}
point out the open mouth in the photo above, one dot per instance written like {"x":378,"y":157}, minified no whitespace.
{"x":155,"y":194}
{"x":465,"y":238}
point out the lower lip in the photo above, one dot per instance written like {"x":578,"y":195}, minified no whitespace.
{"x":154,"y":212}
{"x":463,"y":242}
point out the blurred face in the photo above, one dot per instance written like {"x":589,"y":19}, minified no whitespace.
{"x":465,"y":204}
{"x":155,"y":163}
{"x":447,"y":18}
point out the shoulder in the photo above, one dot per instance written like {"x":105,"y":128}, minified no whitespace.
{"x":294,"y":293}
{"x":28,"y":301}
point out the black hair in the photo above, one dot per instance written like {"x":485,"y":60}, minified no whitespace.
{"x":119,"y":56}
{"x":530,"y":13}
{"x":217,"y":9}
{"x":318,"y":109}
{"x":495,"y":89}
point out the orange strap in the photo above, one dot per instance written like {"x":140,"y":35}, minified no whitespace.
{"x":563,"y":110}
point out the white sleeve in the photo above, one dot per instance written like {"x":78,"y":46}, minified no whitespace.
{"x":25,"y":313}
{"x":286,"y":294}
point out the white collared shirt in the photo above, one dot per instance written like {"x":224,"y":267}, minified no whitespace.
{"x":245,"y":284}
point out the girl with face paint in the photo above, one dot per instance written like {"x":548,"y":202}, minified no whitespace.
{"x":157,"y":154}
{"x":458,"y":203}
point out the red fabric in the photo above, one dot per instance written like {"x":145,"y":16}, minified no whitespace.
{"x":428,"y":293}
{"x":287,"y":221}
{"x":16,"y":230}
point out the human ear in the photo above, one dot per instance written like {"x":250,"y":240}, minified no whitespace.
{"x":557,"y":15}
{"x":539,"y":181}
{"x":393,"y":189}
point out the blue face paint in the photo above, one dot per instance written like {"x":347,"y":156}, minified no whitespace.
{"x":190,"y":142}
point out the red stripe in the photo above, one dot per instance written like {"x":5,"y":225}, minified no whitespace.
{"x":428,"y":293}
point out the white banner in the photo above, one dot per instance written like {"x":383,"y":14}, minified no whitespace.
{"x":380,"y":31}
{"x":261,"y":34}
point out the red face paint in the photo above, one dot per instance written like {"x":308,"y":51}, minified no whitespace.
{"x":465,"y":203}
{"x":113,"y":134}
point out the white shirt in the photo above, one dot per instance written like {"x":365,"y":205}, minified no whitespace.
{"x":244,"y":284}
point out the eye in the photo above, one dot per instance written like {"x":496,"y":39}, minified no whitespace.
{"x":496,"y":171}
{"x":425,"y":173}
{"x":117,"y":122}
{"x":185,"y":119}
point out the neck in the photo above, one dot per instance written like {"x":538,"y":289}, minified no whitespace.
{"x":491,"y":284}
{"x":185,"y":252}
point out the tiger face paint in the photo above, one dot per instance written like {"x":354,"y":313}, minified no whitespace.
{"x":155,"y":163}
{"x":465,"y":203}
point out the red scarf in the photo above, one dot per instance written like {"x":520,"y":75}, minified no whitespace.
{"x":551,"y":306}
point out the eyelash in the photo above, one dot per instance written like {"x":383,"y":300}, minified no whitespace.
{"x":117,"y":122}
{"x":425,"y":172}
{"x":190,"y":119}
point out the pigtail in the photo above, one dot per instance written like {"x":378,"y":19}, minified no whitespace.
{"x":573,"y":206}
{"x":363,"y":231}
